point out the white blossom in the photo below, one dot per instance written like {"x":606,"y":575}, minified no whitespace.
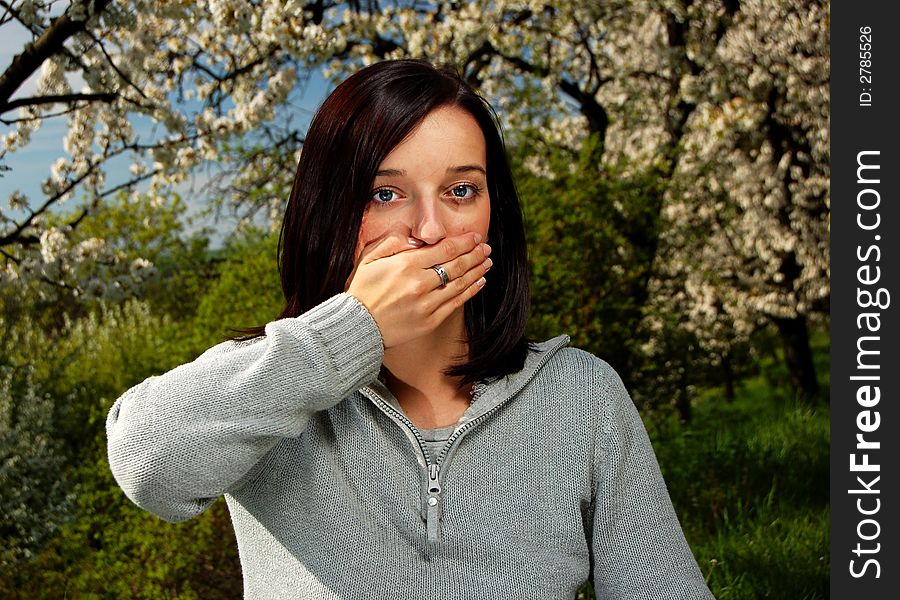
{"x":212,"y":75}
{"x":53,"y":241}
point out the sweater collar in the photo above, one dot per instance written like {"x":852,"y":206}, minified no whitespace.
{"x":498,"y":391}
{"x":490,"y":394}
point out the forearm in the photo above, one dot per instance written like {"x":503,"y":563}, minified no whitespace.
{"x":179,"y":440}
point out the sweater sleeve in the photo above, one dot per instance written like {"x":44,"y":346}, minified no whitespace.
{"x":178,"y":441}
{"x":638,"y":548}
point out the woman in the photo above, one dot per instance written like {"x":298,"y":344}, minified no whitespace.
{"x":393,"y":434}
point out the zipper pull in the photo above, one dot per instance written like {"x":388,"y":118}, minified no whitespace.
{"x":433,"y":510}
{"x":434,"y":487}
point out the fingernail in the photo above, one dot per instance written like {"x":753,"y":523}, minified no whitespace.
{"x":488,"y":263}
{"x":481,"y":282}
{"x":477,"y":238}
{"x":414,"y":242}
{"x":486,"y":249}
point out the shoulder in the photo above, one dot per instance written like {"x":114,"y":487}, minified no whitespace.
{"x":588,"y":394}
{"x":230,"y":346}
{"x":589,"y":384}
{"x":579,"y":368}
{"x":595,"y":393}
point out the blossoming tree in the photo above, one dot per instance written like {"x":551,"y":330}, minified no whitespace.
{"x":726,"y":101}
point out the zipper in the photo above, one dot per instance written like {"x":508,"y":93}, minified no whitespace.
{"x":420,"y":441}
{"x":433,"y":507}
{"x":477,"y":390}
{"x":477,"y":393}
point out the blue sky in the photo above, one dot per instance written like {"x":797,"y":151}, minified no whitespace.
{"x":31,"y":165}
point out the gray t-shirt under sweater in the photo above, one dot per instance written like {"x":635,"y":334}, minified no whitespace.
{"x":436,"y":439}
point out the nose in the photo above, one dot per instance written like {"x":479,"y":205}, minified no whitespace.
{"x":428,"y":225}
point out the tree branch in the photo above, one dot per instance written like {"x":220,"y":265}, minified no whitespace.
{"x":593,"y":111}
{"x":57,"y":99}
{"x":14,"y":14}
{"x":16,"y":237}
{"x":70,"y":110}
{"x":10,"y":256}
{"x":112,"y":63}
{"x":237,"y":72}
{"x":50,"y":42}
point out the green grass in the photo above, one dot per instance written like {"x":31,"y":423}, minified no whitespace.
{"x":749,"y":480}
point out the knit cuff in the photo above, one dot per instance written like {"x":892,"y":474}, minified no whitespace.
{"x":349,"y":336}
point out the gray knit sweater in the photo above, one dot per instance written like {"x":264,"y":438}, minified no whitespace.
{"x":548,"y":481}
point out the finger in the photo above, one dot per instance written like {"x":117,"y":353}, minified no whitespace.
{"x":447,"y":249}
{"x":458,"y":286}
{"x":387,"y":244}
{"x":461,"y":265}
{"x":453,"y":303}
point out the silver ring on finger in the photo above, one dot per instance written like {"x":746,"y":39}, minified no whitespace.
{"x":442,"y":273}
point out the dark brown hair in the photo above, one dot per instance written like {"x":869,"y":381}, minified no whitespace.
{"x":353,"y":131}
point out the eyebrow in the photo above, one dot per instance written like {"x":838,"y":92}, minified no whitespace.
{"x":458,"y":169}
{"x":467,"y":168}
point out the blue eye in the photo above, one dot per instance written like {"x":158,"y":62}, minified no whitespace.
{"x":463,"y":191}
{"x":383,"y":195}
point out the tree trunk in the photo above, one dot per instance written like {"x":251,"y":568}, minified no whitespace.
{"x":683,"y":398}
{"x":728,"y":376}
{"x":797,"y":354}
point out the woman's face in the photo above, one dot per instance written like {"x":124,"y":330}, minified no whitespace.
{"x":433,"y":184}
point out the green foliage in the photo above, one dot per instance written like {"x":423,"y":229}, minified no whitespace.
{"x":100,"y":545}
{"x":104,"y":546}
{"x":137,"y":227}
{"x":90,"y":361}
{"x":62,"y":362}
{"x":154,"y":230}
{"x":247,"y":292}
{"x":105,"y":261}
{"x":115,"y":550}
{"x":54,"y":392}
{"x":34,"y":498}
{"x":591,"y":237}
